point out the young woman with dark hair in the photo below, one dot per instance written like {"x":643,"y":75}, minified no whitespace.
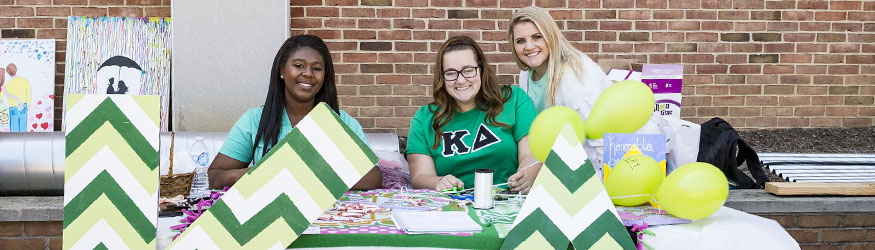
{"x":302,"y":76}
{"x":473,"y":123}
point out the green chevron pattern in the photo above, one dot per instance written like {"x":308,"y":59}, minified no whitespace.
{"x":111,"y":172}
{"x":275,"y":201}
{"x":567,"y":204}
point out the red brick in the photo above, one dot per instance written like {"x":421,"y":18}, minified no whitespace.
{"x":697,"y":100}
{"x":777,"y":111}
{"x":15,"y":243}
{"x":782,"y":26}
{"x":712,"y":90}
{"x":566,"y":14}
{"x":745,"y":89}
{"x":861,"y":16}
{"x":843,"y":235}
{"x":664,"y":58}
{"x":55,"y":243}
{"x":795,"y":79}
{"x":813,"y":4}
{"x":698,"y":58}
{"x":668,"y":14}
{"x":16,"y":11}
{"x":765,"y":15}
{"x":684,"y":25}
{"x":712,"y":69}
{"x":763,"y":79}
{"x":496,"y":14}
{"x":649,"y":47}
{"x":34,"y":228}
{"x":844,"y":69}
{"x":841,"y":111}
{"x":712,"y":111}
{"x":797,"y":16}
{"x":715,"y":47}
{"x":747,"y":47}
{"x":745,"y":111}
{"x":799,"y":37}
{"x":793,"y":122}
{"x":814,"y":26}
{"x":617,"y":47}
{"x":804,"y":47}
{"x":827,"y":100}
{"x":667,"y":37}
{"x":601,"y":35}
{"x":715,"y":4}
{"x":479,"y":24}
{"x":780,"y":4}
{"x":809,"y":111}
{"x":359,"y":34}
{"x":12,"y":228}
{"x":795,"y":101}
{"x":778,"y":89}
{"x":429,"y":13}
{"x":615,"y":25}
{"x":53,"y":11}
{"x":701,"y":37}
{"x":744,"y":69}
{"x":811,"y":90}
{"x":357,"y":12}
{"x":481,"y":3}
{"x":322,"y":12}
{"x":393,"y":13}
{"x":848,"y":27}
{"x":722,"y":26}
{"x":750,"y":26}
{"x":778,"y":69}
{"x":811,"y":69}
{"x":825,"y":122}
{"x":854,"y":122}
{"x":779,"y":47}
{"x":761,"y":121}
{"x":618,"y":4}
{"x":795,"y":58}
{"x":634,"y":14}
{"x":157,"y":12}
{"x":51,"y":34}
{"x":650,"y":25}
{"x":733,"y":15}
{"x":296,"y":22}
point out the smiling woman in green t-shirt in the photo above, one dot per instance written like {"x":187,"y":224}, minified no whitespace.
{"x":473,"y":123}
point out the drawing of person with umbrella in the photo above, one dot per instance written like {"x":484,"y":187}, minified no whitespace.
{"x":119,"y":75}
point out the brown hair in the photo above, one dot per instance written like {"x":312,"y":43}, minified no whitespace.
{"x":490,"y":98}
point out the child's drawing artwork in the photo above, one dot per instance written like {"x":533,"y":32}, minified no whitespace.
{"x":119,"y":55}
{"x":27,"y":85}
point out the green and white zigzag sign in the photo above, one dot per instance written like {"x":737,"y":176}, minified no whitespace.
{"x":273,"y":203}
{"x":111,"y":172}
{"x":567,"y":204}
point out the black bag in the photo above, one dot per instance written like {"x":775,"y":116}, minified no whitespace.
{"x":718,"y":145}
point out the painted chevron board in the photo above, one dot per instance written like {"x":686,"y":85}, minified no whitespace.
{"x":273,"y":203}
{"x":567,"y":204}
{"x":111,"y":172}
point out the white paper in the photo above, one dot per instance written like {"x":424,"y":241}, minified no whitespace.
{"x":616,"y":75}
{"x":435,"y":222}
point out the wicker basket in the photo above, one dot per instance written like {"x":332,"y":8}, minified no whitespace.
{"x":175,"y":184}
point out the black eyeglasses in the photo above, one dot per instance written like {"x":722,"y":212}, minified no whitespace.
{"x":468,"y":72}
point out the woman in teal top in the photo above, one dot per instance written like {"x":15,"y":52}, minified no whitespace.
{"x":302,"y":76}
{"x":472,"y":123}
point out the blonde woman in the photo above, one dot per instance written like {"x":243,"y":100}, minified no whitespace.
{"x":552,"y":72}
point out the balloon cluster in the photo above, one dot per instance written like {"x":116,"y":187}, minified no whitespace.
{"x":693,"y":191}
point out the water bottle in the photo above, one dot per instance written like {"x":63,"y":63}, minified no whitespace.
{"x":200,"y":186}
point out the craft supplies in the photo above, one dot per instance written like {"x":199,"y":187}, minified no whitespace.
{"x":434,"y":222}
{"x":483,"y":192}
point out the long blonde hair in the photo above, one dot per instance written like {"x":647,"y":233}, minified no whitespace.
{"x":563,"y":56}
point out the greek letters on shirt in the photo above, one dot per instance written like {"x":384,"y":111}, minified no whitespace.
{"x":453,"y":144}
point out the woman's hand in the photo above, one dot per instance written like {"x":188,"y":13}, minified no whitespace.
{"x":447,"y":182}
{"x":522,"y":181}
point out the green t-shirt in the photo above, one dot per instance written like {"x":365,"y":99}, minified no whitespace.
{"x":537,"y":90}
{"x":238,"y":144}
{"x":469,"y":143}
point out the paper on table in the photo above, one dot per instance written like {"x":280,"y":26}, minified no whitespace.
{"x":435,"y":222}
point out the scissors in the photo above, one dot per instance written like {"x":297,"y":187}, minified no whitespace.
{"x":469,"y":197}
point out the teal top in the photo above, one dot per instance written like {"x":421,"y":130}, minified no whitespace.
{"x":537,"y":90}
{"x":469,"y":143}
{"x":238,"y":144}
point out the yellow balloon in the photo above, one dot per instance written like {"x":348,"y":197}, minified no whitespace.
{"x":622,"y":108}
{"x":546,"y":126}
{"x":637,"y":176}
{"x":693,"y":191}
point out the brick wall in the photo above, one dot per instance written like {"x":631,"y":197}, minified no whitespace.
{"x":837,"y":231}
{"x":759,"y":64}
{"x":832,"y":231}
{"x":30,"y":235}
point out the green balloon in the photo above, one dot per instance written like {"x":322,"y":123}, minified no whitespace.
{"x":622,"y":108}
{"x":546,"y":126}
{"x":638,"y":176}
{"x":693,"y":191}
